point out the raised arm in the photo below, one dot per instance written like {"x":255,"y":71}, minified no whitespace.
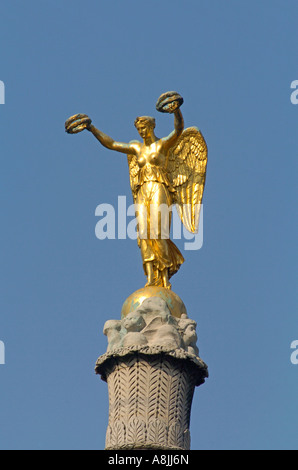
{"x":171,"y":140}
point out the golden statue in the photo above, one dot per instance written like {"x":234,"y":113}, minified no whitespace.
{"x":163,"y":172}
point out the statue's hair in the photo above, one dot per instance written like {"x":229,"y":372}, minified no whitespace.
{"x":145,"y":120}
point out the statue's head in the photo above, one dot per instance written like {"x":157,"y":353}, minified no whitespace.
{"x":112,"y":326}
{"x":145,"y":125}
{"x":187,"y":328}
{"x":134,"y":322}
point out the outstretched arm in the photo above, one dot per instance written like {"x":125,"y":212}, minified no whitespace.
{"x":110,"y":143}
{"x":171,"y":140}
{"x":80,"y":122}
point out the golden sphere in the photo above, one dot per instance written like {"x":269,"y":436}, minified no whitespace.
{"x":175,"y":304}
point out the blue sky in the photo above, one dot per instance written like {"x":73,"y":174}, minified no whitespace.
{"x":234,"y":63}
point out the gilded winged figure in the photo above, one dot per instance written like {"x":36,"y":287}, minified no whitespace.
{"x":163,"y":172}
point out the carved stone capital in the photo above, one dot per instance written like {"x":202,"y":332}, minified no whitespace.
{"x":150,"y":399}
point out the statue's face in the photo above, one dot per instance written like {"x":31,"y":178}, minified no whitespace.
{"x":144,"y":130}
{"x":190,"y":335}
{"x":134,"y":323}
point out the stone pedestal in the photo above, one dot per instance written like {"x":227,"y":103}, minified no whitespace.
{"x":150,"y":400}
{"x":152,"y":367}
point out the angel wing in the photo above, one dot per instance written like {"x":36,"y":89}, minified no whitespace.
{"x":186,"y":167}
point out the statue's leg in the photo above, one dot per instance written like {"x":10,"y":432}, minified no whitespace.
{"x":146,"y":252}
{"x":160,"y":224}
{"x":154,"y":222}
{"x":150,"y":273}
{"x":165,"y":279}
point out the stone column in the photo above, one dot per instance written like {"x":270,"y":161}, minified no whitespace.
{"x":152,"y":368}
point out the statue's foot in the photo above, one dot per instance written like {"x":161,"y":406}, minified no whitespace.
{"x":150,"y":284}
{"x":168,"y":286}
